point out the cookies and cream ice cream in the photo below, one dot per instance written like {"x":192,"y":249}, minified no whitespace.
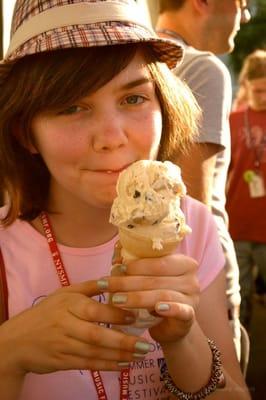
{"x":147,"y":209}
{"x":148,"y":215}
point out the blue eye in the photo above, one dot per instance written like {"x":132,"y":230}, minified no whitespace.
{"x":134,"y":99}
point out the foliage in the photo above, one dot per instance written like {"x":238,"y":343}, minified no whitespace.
{"x":251,"y":36}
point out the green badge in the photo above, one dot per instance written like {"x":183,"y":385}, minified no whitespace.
{"x":248,"y":175}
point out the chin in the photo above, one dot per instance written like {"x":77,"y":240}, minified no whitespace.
{"x":227,"y":48}
{"x":231,"y":44}
{"x":222,"y":49}
{"x":259,"y":107}
{"x":106,"y":200}
{"x":231,"y":48}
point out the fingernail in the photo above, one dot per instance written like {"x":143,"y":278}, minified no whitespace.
{"x":142,"y":346}
{"x":130,"y":318}
{"x":122,"y":268}
{"x":119,"y":298}
{"x":102,"y":284}
{"x":118,"y":269}
{"x":139,"y":355}
{"x":163,"y":307}
{"x":118,"y":245}
{"x":123,"y":364}
{"x":114,"y":257}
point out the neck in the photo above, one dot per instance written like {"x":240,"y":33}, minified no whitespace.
{"x":86,"y":232}
{"x":168,"y":33}
{"x":79,"y":225}
{"x":178,"y":24}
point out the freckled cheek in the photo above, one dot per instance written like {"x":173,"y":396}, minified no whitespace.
{"x":156,"y":131}
{"x":151,"y":128}
{"x":66,"y":145}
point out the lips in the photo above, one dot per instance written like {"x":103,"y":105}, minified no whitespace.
{"x":115,"y":170}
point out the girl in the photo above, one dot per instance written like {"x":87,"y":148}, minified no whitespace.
{"x":85,"y":92}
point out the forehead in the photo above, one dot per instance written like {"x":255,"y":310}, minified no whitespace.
{"x":137,"y":65}
{"x":259,"y":83}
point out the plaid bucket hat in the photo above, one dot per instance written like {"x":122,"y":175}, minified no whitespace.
{"x":47,"y":25}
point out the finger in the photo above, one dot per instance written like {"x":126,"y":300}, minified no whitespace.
{"x":183,"y":312}
{"x":101,"y":336}
{"x":173,"y":265}
{"x":81,"y":349}
{"x":116,"y":259}
{"x":148,"y":299}
{"x":93,"y":311}
{"x":171,"y":329}
{"x":72,"y":362}
{"x":88,"y":288}
{"x":187,"y":284}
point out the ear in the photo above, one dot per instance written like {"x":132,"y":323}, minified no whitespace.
{"x":201,"y":6}
{"x":24,"y":140}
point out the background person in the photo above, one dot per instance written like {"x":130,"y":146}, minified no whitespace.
{"x":205,"y":29}
{"x":246,"y":197}
{"x":72,"y":136}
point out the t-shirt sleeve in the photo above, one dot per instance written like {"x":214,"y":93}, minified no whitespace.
{"x":235,"y":125}
{"x":210,"y":82}
{"x":202,"y":243}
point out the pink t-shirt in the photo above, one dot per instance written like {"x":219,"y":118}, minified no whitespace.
{"x":31,"y":276}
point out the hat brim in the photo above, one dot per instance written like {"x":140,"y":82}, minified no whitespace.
{"x":95,"y":35}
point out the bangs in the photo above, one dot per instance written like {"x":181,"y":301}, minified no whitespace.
{"x":50,"y":82}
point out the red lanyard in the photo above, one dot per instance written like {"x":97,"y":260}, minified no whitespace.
{"x":64,"y":280}
{"x":258,"y":150}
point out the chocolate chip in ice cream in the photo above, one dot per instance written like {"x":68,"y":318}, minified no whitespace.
{"x":136,"y":194}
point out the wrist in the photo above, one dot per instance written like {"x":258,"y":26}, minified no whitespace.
{"x":216,"y":380}
{"x":10,"y":365}
{"x":12,"y":377}
{"x":10,"y":385}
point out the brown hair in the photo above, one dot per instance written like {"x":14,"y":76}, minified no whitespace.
{"x":254,"y":66}
{"x":44,"y":82}
{"x":170,"y":5}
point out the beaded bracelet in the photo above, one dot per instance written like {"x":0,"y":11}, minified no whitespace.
{"x":217,"y":379}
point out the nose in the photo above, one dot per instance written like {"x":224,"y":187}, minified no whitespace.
{"x":109,"y":134}
{"x":245,"y":14}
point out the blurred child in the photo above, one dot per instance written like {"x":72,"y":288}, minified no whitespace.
{"x":246,"y":198}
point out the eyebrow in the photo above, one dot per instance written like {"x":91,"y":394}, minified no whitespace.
{"x":136,"y":82}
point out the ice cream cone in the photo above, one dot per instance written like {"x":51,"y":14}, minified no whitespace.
{"x":135,"y":245}
{"x":149,"y":218}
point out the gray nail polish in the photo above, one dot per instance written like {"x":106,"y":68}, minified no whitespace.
{"x":102,"y":284}
{"x":163,"y":307}
{"x":123,"y":364}
{"x":139,"y":355}
{"x":119,"y":299}
{"x":142,"y":346}
{"x":130,"y":318}
{"x":122,"y":268}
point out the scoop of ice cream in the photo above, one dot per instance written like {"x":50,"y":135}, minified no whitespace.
{"x":148,"y":202}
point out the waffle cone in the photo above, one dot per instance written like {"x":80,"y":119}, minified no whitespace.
{"x":139,"y":246}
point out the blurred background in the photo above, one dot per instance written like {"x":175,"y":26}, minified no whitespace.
{"x":251,"y":36}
